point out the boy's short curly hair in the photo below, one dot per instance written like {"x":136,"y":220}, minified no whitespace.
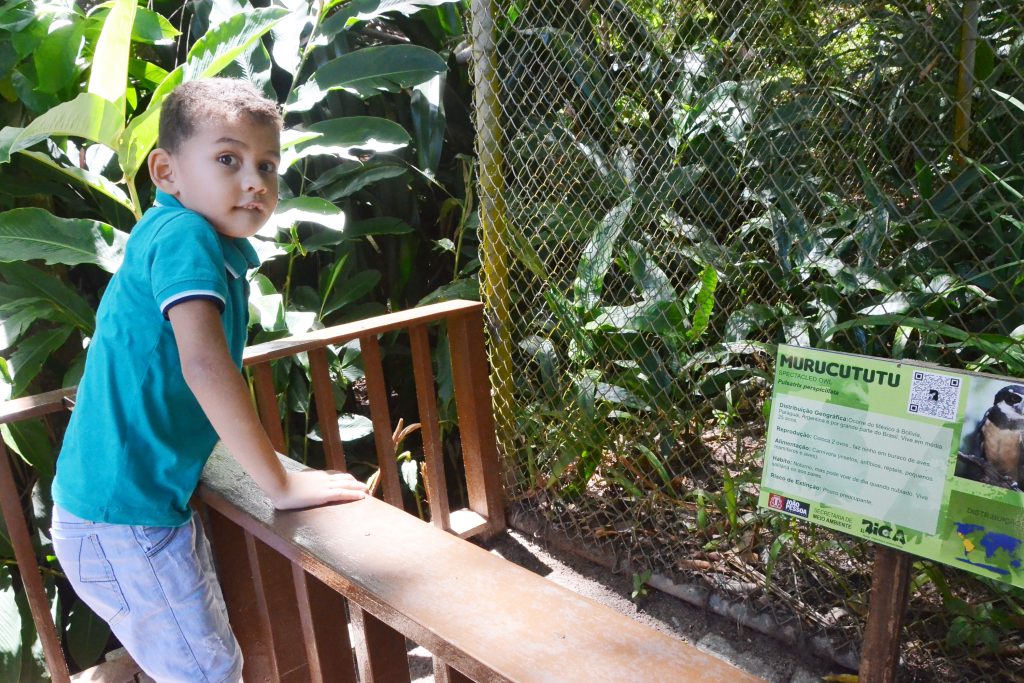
{"x":212,"y":98}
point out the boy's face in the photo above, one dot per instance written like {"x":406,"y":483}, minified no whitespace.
{"x":227,"y":172}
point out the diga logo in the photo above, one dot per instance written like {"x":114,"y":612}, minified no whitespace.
{"x":890,"y":533}
{"x":776,"y":502}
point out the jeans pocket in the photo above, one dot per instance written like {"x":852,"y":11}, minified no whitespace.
{"x":98,"y":583}
{"x":153,"y":539}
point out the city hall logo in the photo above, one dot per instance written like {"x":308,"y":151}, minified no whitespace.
{"x":794,"y":507}
{"x":892,"y":534}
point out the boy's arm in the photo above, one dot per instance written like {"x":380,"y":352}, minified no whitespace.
{"x":224,"y":396}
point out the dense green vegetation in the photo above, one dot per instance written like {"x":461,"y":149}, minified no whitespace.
{"x":693,"y":183}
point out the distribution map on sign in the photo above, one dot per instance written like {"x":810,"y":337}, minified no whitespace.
{"x":915,"y":457}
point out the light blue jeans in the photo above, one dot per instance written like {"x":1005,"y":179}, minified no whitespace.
{"x":157,"y":589}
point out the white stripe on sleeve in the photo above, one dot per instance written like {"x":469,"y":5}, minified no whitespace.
{"x":190,"y":294}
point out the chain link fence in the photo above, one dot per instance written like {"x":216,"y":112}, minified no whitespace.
{"x":669,"y":189}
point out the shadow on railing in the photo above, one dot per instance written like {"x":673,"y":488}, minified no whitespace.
{"x":293,"y":606}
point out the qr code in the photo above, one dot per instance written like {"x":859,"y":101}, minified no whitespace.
{"x":934,"y":395}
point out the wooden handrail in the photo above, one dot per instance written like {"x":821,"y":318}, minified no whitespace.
{"x":27,"y":407}
{"x":482,"y":617}
{"x":339,"y":334}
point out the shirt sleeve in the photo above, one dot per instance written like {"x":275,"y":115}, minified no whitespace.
{"x":186,"y":262}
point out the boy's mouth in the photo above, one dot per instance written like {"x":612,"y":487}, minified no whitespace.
{"x":252,"y":206}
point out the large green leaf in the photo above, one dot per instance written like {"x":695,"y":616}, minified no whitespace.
{"x":368,"y":72}
{"x":467,"y":288}
{"x":324,"y":239}
{"x":349,"y":178}
{"x":108,"y":77}
{"x":31,"y":441}
{"x":11,"y":646}
{"x":288,"y":43}
{"x":597,"y":257}
{"x":368,"y":10}
{"x":703,"y":302}
{"x":350,"y":291}
{"x":56,"y":57}
{"x":17,"y":316}
{"x":148,"y":27}
{"x":428,"y":122}
{"x":208,"y":57}
{"x":305,"y":210}
{"x":87,"y":634}
{"x":87,"y":116}
{"x":32,"y":352}
{"x":267,"y":304}
{"x":36,"y":234}
{"x":93,"y":181}
{"x":348,"y":137}
{"x":353,"y":426}
{"x":27,"y":282}
{"x":139,"y":137}
{"x":229,"y":39}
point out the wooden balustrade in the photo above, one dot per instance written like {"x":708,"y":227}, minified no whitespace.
{"x":464,"y":320}
{"x":252,"y":568}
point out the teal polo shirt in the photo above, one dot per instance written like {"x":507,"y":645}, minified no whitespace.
{"x":138,"y":439}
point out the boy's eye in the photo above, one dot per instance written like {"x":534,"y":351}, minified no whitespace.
{"x":226,"y":159}
{"x":268,"y":167}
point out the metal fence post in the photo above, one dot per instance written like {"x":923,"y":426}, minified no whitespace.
{"x":493,"y":242}
{"x":965,"y":79}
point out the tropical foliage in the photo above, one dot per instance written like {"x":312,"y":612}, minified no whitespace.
{"x":693,"y":183}
{"x":376,"y":211}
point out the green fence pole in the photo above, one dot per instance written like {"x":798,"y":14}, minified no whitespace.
{"x":494,"y":287}
{"x":965,"y":80}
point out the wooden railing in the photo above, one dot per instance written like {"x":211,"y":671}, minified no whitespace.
{"x":464,"y":320}
{"x":483,"y":517}
{"x":330,"y":594}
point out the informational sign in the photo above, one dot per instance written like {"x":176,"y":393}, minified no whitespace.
{"x":912,"y":456}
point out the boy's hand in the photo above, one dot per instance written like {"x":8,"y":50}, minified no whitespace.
{"x":316,"y":487}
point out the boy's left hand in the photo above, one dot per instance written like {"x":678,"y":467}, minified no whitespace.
{"x":316,"y":487}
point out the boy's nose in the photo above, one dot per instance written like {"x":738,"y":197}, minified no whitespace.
{"x":254,"y":182}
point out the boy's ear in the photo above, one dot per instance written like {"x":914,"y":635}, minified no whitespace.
{"x":162,"y":170}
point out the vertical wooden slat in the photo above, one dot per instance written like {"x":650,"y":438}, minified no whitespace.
{"x":266,"y":402}
{"x":275,"y":599}
{"x":39,"y":605}
{"x":237,"y":582}
{"x":446,"y":674}
{"x":377,"y":394}
{"x":324,"y":629}
{"x":430,"y":427}
{"x":380,"y":649}
{"x":476,"y":419}
{"x":890,"y":585}
{"x":327,"y":415}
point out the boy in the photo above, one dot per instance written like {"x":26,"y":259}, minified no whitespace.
{"x":162,"y":382}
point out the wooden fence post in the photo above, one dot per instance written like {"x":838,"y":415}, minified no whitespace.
{"x":890,"y":584}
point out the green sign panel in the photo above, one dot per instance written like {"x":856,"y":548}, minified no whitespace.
{"x":912,"y":456}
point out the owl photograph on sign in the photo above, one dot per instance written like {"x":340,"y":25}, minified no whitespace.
{"x":992,"y":441}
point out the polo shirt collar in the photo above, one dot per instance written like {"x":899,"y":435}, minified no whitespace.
{"x":239,"y":255}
